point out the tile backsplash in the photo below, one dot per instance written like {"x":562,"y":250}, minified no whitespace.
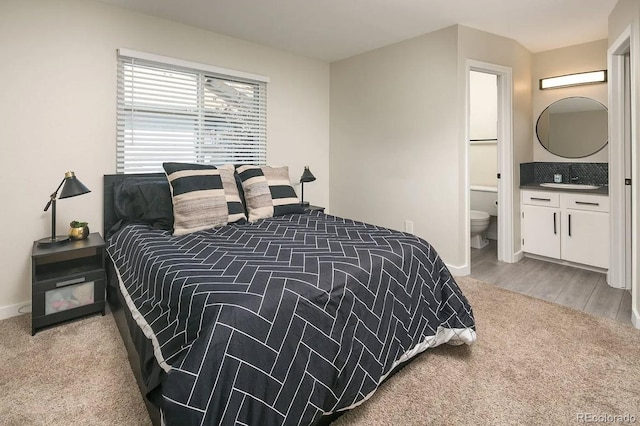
{"x":587,"y":173}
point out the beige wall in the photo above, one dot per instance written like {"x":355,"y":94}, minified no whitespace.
{"x":483,"y":106}
{"x":483,"y":164}
{"x":625,"y":13}
{"x":59,"y":99}
{"x":567,"y":60}
{"x":394,"y":138}
{"x":398,"y":138}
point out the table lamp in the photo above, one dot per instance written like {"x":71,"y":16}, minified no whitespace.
{"x":71,"y":187}
{"x":307,"y":176}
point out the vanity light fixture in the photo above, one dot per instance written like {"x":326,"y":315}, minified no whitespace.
{"x":591,"y":77}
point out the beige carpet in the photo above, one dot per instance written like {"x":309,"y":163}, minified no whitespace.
{"x":73,"y":374}
{"x":534,"y":363}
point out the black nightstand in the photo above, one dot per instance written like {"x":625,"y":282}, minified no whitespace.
{"x":311,"y":208}
{"x":67,"y":281}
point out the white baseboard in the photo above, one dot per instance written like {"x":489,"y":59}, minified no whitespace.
{"x":459,"y":270}
{"x":635,"y":318}
{"x":13,"y":310}
{"x":518,"y":256}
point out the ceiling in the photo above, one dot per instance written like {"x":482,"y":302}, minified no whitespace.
{"x":336,"y":29}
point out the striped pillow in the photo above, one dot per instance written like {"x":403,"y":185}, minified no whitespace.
{"x":268,"y":191}
{"x":202,"y":197}
{"x":234,"y":201}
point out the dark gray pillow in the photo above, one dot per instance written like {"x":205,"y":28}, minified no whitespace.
{"x":140,"y":200}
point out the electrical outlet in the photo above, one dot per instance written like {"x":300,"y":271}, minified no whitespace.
{"x":408,"y":226}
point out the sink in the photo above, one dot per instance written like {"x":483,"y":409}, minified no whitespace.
{"x":569,"y":185}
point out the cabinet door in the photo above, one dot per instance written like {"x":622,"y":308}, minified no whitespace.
{"x":585,"y":237}
{"x":541,"y":231}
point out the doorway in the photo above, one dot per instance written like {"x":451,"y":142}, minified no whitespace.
{"x":504,"y":158}
{"x":483,"y":161}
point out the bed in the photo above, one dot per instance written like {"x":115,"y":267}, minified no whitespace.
{"x":289,"y":320}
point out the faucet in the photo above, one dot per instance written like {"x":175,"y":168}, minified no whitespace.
{"x":572,"y":178}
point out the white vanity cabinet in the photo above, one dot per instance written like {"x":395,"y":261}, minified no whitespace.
{"x":567,"y":226}
{"x":585,"y":221}
{"x":541,"y":223}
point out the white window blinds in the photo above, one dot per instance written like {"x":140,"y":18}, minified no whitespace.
{"x":176,"y":112}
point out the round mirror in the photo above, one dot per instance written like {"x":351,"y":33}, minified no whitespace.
{"x":573,"y":127}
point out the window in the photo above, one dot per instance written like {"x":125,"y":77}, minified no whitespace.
{"x":172,"y":110}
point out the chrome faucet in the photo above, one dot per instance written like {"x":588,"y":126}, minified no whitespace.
{"x":572,"y":178}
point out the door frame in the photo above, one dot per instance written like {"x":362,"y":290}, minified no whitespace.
{"x":627,"y":42}
{"x":505,"y":160}
{"x":616,"y":65}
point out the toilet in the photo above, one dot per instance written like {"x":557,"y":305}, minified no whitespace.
{"x":484,"y":204}
{"x":479,"y":224}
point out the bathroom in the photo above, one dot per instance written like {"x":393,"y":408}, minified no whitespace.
{"x":570,"y":164}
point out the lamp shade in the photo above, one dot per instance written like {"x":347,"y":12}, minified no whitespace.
{"x":307,"y":176}
{"x":72,"y":186}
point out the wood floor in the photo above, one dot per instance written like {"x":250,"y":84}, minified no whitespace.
{"x":576,"y":288}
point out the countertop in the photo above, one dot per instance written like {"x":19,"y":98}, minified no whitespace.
{"x":602,"y":190}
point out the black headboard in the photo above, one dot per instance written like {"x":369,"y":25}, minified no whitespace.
{"x":110,"y":218}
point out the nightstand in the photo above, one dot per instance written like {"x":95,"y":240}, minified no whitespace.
{"x":311,"y":208}
{"x":67,"y":281}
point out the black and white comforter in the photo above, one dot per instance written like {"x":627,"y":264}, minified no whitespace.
{"x":287,"y":319}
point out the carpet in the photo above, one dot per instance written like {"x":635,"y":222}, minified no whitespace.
{"x":534,"y":363}
{"x":72,"y":374}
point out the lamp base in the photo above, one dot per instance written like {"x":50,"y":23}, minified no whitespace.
{"x":304,"y":204}
{"x":52,"y":242}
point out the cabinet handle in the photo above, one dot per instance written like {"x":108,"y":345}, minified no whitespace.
{"x":586,"y":203}
{"x":541,"y":199}
{"x":554,"y":224}
{"x":569,"y":225}
{"x":69,"y":282}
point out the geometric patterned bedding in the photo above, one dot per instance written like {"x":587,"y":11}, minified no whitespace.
{"x":284,"y":320}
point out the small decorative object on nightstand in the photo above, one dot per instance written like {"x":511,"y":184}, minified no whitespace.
{"x":309,"y":208}
{"x":72,"y":187}
{"x":307,"y":176}
{"x":68,"y":281}
{"x":78,"y":230}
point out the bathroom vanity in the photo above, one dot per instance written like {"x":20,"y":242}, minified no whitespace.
{"x":571,"y":226}
{"x":565,"y":205}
